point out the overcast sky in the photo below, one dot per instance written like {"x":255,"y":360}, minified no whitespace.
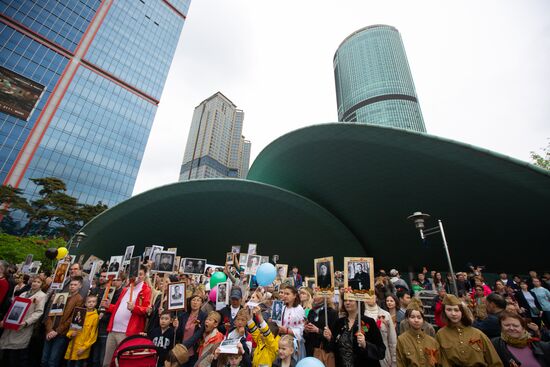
{"x":481,"y":70}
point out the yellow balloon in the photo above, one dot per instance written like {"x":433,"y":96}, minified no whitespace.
{"x":61,"y":253}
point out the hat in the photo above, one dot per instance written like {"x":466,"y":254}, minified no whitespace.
{"x":415,"y":305}
{"x":451,"y":300}
{"x":394,"y":272}
{"x":180,"y":353}
{"x":236,"y":293}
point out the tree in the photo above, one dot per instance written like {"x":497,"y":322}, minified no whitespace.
{"x":11,"y":199}
{"x":53,"y":205}
{"x":15,"y":249}
{"x":54,"y":213}
{"x":542,"y":160}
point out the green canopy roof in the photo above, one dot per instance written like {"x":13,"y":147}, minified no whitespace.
{"x":346,"y":190}
{"x":205,"y":218}
{"x":494,"y":208}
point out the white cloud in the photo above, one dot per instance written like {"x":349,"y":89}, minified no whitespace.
{"x":480,"y":70}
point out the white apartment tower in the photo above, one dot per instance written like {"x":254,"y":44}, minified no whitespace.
{"x":215,"y":145}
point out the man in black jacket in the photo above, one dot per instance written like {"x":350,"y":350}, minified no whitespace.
{"x":491,"y":325}
{"x":230,"y":311}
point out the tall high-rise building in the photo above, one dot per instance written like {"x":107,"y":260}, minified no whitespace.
{"x":215,"y":145}
{"x":374,"y":82}
{"x":81,"y":82}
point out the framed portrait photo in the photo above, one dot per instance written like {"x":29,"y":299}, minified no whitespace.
{"x":88,"y":263}
{"x":310,"y":282}
{"x":282,"y":271}
{"x":133,"y":267}
{"x":252,"y":264}
{"x":147,"y":253}
{"x":277,"y":311}
{"x":128,"y":255}
{"x":77,"y":320}
{"x":324,"y":273}
{"x":58,"y":304}
{"x":252,"y":249}
{"x":243,"y":258}
{"x":176,"y":296}
{"x":229,"y":258}
{"x":265,"y":259}
{"x":164,"y":262}
{"x":236,"y":249}
{"x":193,"y":266}
{"x":25,"y":269}
{"x":115,"y":266}
{"x":154,"y":250}
{"x":16,"y":313}
{"x":60,"y":273}
{"x":35,"y":267}
{"x":222,"y":295}
{"x":358,"y":276}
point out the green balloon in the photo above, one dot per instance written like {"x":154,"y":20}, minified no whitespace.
{"x":217,"y":277}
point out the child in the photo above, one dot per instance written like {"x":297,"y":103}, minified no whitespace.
{"x":163,"y":336}
{"x":231,"y":360}
{"x":177,"y":356}
{"x":266,"y":339}
{"x":286,"y":350}
{"x":81,"y":342}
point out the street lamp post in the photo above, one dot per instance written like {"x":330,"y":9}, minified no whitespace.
{"x":78,"y":238}
{"x":419,"y":218}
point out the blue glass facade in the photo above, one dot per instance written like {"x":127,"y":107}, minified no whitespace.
{"x":60,"y":22}
{"x":99,"y":129}
{"x":374,"y":82}
{"x":34,"y":61}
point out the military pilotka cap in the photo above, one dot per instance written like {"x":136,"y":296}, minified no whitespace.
{"x":416,"y":305}
{"x":451,"y":300}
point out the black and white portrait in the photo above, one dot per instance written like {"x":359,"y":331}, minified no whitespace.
{"x":133,"y":268}
{"x":176,"y":296}
{"x":236,"y":249}
{"x":324,"y":272}
{"x":115,"y":265}
{"x":277,"y":311}
{"x":128,"y":255}
{"x":164,"y":262}
{"x":252,"y":249}
{"x":358,"y":273}
{"x":193,"y":266}
{"x":222,"y":295}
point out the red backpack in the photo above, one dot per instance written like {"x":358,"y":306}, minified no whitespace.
{"x":135,"y":351}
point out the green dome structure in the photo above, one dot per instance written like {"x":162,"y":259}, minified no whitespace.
{"x":340,"y":189}
{"x":205,"y":218}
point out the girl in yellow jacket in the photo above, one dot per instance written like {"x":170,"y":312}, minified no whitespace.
{"x":266,"y":339}
{"x":82,"y":340}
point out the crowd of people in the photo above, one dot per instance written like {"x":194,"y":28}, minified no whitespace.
{"x":419,"y":322}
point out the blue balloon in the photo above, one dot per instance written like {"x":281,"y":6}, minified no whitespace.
{"x":265,"y":274}
{"x":310,"y":362}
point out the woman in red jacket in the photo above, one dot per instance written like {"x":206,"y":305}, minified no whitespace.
{"x":128,"y":317}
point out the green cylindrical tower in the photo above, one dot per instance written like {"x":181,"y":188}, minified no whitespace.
{"x":374,"y":82}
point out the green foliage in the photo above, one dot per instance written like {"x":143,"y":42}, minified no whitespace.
{"x":542,"y":160}
{"x":53,"y":214}
{"x":15,"y":249}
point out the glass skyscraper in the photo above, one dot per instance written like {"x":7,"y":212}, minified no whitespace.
{"x":215,"y":144}
{"x":374,"y":82}
{"x":98,"y":69}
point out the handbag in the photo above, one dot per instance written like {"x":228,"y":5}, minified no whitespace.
{"x":326,"y":357}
